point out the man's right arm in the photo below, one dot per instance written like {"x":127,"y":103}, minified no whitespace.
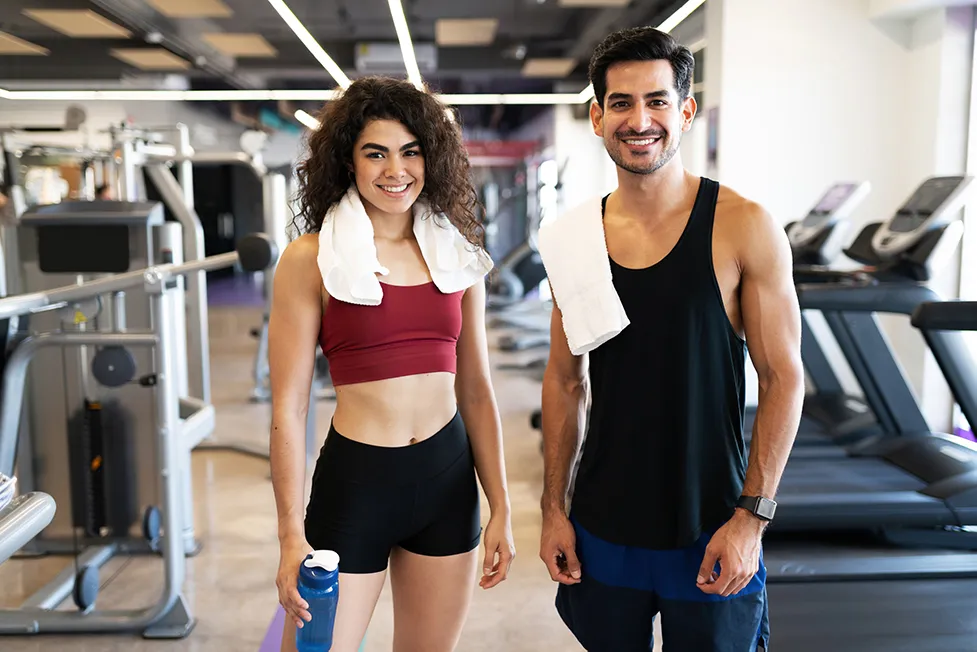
{"x":563,"y":415}
{"x":564,"y":408}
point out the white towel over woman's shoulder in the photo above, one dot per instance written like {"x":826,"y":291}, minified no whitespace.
{"x":348,"y":260}
{"x":574,"y":253}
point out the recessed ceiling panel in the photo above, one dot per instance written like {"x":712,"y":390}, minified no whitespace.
{"x":78,"y":23}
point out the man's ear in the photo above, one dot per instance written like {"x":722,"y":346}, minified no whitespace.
{"x":597,"y":118}
{"x":689,"y":110}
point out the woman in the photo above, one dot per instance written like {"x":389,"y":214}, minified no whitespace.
{"x":388,"y":281}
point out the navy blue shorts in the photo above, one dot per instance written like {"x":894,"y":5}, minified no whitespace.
{"x":623,"y":588}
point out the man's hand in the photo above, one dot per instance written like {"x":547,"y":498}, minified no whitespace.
{"x":736,"y":546}
{"x":558,"y":548}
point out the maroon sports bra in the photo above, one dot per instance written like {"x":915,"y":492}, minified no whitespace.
{"x":414,"y":330}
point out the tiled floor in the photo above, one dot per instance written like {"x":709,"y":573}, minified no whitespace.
{"x":231,"y":583}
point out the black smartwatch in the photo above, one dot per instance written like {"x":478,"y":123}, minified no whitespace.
{"x":762,"y":508}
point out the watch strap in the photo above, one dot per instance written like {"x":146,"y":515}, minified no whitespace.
{"x":762,"y":508}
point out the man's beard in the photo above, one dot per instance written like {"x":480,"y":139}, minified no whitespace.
{"x":618,"y":153}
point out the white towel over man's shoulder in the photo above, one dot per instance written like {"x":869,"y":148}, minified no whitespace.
{"x":348,"y":260}
{"x":574,"y":253}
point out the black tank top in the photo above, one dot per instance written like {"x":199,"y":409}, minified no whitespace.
{"x":664,"y":458}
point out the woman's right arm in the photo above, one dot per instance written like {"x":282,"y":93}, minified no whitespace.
{"x":293,"y":332}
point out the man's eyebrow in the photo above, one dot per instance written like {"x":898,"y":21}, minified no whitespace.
{"x":647,"y":96}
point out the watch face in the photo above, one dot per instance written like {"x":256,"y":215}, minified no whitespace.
{"x":765,"y":508}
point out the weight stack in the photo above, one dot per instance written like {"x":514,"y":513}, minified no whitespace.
{"x":102,"y":470}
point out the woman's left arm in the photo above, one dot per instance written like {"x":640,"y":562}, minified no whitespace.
{"x":476,"y":402}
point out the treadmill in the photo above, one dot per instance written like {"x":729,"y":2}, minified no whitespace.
{"x":831,"y":418}
{"x":816,"y":242}
{"x":894,"y":607}
{"x":905,"y":477}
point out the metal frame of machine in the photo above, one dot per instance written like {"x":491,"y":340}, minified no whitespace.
{"x":169,"y":616}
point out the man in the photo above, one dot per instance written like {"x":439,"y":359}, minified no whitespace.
{"x":667,"y":511}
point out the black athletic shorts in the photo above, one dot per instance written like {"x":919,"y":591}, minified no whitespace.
{"x":367,"y":499}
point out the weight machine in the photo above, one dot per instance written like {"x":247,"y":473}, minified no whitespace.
{"x":84,"y":391}
{"x":169,"y":616}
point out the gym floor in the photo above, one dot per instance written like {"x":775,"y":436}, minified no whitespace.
{"x":231,"y":583}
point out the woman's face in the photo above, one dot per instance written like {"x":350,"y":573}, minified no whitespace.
{"x":389,"y":166}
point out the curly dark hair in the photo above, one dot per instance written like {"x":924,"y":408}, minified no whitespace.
{"x":324,"y":178}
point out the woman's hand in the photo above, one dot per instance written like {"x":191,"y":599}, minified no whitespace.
{"x":499,"y":550}
{"x":293,"y":553}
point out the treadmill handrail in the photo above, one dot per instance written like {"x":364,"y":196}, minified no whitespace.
{"x":817,"y":274}
{"x":942,"y":323}
{"x":894,"y":298}
{"x":946,"y":316}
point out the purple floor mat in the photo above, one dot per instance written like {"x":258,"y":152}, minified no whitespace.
{"x":273,"y":639}
{"x":235,"y":290}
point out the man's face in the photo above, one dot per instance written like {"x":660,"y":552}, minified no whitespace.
{"x":642,"y":120}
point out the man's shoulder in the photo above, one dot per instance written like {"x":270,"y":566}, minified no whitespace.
{"x":751,"y":231}
{"x":743,"y":219}
{"x":733,"y":206}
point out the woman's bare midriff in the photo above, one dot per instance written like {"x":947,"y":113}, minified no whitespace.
{"x":395,"y":412}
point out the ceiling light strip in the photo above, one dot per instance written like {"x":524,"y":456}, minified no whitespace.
{"x":175,"y":95}
{"x":306,"y":119}
{"x":276,"y":95}
{"x":680,"y":14}
{"x":480,"y":99}
{"x":310,"y":43}
{"x":406,"y":46}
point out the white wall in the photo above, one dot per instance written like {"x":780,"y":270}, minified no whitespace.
{"x":694,"y":147}
{"x":797,"y":111}
{"x":811,"y":92}
{"x":898,"y":9}
{"x":588,"y":170}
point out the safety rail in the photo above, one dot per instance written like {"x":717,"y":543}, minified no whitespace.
{"x":169,"y":616}
{"x":22,"y":520}
{"x":954,"y":315}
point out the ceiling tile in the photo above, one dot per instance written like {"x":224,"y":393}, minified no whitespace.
{"x":78,"y":23}
{"x":466,"y":31}
{"x":594,"y":3}
{"x":10,"y":44}
{"x":240,"y":45}
{"x":193,"y":8}
{"x":548,"y":67}
{"x":150,"y":58}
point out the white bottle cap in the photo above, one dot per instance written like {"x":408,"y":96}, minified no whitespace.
{"x":325,"y":559}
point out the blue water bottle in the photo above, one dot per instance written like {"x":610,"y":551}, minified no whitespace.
{"x":318,"y":584}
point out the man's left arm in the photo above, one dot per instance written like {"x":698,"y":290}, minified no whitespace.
{"x":772,"y":324}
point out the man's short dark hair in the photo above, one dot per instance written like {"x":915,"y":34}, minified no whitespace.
{"x":641,"y":44}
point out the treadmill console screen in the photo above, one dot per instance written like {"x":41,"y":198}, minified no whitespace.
{"x":830,"y":202}
{"x":924,"y":202}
